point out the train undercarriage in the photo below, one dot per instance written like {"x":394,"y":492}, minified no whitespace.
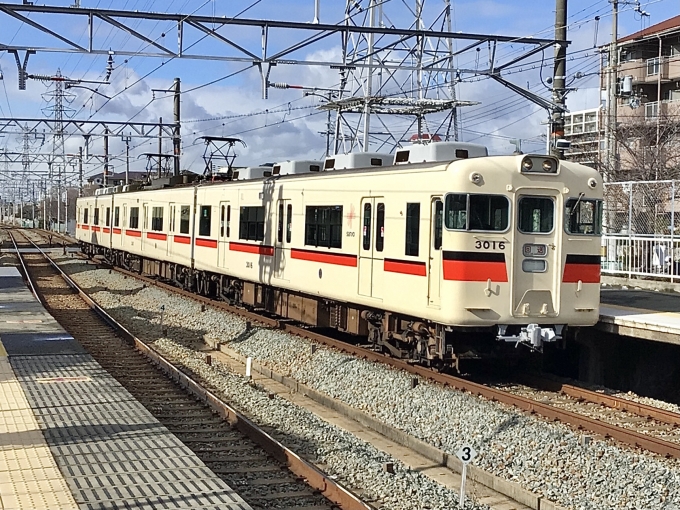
{"x":401,"y":336}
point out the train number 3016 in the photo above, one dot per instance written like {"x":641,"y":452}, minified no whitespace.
{"x":490,"y":245}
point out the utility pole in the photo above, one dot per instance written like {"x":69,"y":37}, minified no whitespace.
{"x":369,"y":78}
{"x":160,"y":145}
{"x":106,"y":157}
{"x":80,"y":171}
{"x":452,"y":76}
{"x":33,"y":202}
{"x":610,"y":125}
{"x":559,"y":75}
{"x":126,"y":139}
{"x":176,"y":141}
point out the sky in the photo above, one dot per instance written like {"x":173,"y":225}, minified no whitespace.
{"x":287,"y":125}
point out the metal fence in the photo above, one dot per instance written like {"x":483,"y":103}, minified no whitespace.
{"x":641,"y":229}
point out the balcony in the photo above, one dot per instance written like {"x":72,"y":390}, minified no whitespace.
{"x":635,"y":68}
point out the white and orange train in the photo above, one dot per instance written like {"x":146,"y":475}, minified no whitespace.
{"x":413,"y":250}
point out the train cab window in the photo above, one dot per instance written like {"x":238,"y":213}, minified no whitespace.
{"x":583,"y":216}
{"x":289,"y":223}
{"x":116,"y":216}
{"x":157,"y":219}
{"x":437,"y":224}
{"x":366,"y":231}
{"x":134,"y":217}
{"x":412,"y":229}
{"x":279,"y":227}
{"x":379,"y":227}
{"x":489,"y":213}
{"x":86,"y":214}
{"x":251,"y":227}
{"x":108,"y":217}
{"x":323,"y":226}
{"x":536,"y":215}
{"x":96,"y":216}
{"x":204,"y":221}
{"x":184,"y":219}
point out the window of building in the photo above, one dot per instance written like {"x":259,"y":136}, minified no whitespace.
{"x":476,"y":212}
{"x":134,"y":217}
{"x":86,"y":214}
{"x":583,"y":216}
{"x":366,"y":230}
{"x":184,"y":219}
{"x":412,"y":229}
{"x":204,"y":221}
{"x":653,"y":66}
{"x":536,"y":215}
{"x":323,"y":226}
{"x":289,"y":223}
{"x":116,"y":216}
{"x":379,"y":227}
{"x":108,"y":216}
{"x":251,"y":227}
{"x":96,"y":216}
{"x":157,"y":219}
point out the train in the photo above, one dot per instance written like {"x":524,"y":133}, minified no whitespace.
{"x":433,"y":254}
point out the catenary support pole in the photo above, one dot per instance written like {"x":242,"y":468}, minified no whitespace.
{"x":559,"y":75}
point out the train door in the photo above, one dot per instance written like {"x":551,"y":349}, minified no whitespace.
{"x":536,"y":264}
{"x":284,"y":220}
{"x":372,"y":243}
{"x":223,"y":235}
{"x":434,"y":272}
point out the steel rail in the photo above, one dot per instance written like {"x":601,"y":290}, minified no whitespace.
{"x":27,"y":278}
{"x":581,"y":422}
{"x":314,"y":477}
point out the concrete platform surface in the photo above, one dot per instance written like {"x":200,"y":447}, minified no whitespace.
{"x":72,"y":437}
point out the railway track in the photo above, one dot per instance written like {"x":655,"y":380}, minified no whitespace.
{"x":654,"y":436}
{"x":266,"y":474}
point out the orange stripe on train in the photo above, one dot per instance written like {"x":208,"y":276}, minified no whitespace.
{"x":471,"y":266}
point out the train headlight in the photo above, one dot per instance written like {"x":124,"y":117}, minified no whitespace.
{"x":548,"y":165}
{"x":592,"y":183}
{"x":476,"y":178}
{"x":527,"y":165}
{"x":539,"y":164}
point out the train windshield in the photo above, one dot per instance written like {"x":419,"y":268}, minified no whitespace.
{"x":536,"y":215}
{"x":477,"y":212}
{"x":583,"y":216}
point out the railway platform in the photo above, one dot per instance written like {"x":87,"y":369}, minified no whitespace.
{"x":71,"y":437}
{"x":643,"y":314}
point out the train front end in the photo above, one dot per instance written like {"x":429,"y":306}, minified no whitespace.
{"x":522,"y":247}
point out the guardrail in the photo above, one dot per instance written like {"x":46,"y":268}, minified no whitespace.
{"x":641,"y":256}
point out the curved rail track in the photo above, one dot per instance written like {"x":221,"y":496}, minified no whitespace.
{"x":234,"y":447}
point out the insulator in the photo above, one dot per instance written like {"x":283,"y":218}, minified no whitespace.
{"x":279,"y":85}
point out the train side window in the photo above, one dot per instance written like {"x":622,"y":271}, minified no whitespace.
{"x":536,"y":215}
{"x":323,"y":226}
{"x":204,"y":221}
{"x":251,"y":226}
{"x":157,"y":219}
{"x":108,"y":216}
{"x":456,"y":212}
{"x":412,"y":229}
{"x":289,"y":223}
{"x":379,"y":227}
{"x":134,"y":217}
{"x":184,"y":219}
{"x":116,"y":216}
{"x":366,"y":231}
{"x":437,"y":224}
{"x":228,"y":221}
{"x":86,"y":214}
{"x":583,"y":217}
{"x":96,"y":216}
{"x":279,"y":227}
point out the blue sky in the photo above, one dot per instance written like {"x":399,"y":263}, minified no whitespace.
{"x":291,"y":129}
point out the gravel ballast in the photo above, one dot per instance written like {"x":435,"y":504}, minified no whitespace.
{"x":547,"y":458}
